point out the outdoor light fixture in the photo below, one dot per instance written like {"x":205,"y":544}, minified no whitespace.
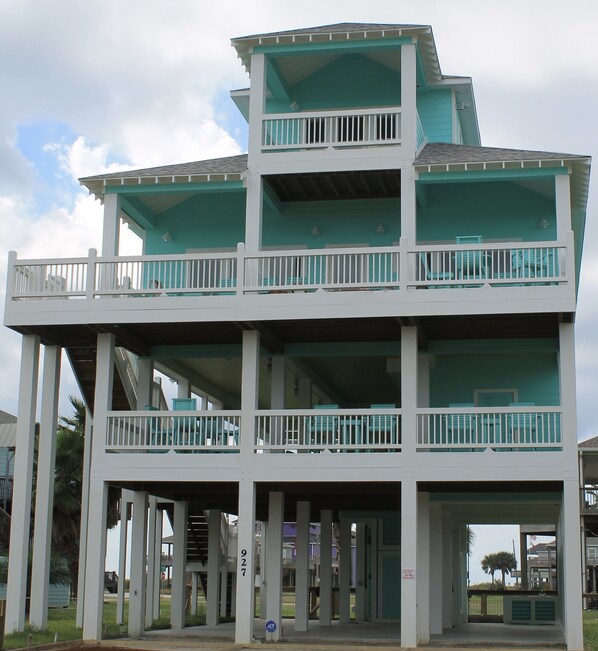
{"x":294,"y":105}
{"x":315,"y":231}
{"x":380,"y":229}
{"x":543,"y":223}
{"x":167,"y":236}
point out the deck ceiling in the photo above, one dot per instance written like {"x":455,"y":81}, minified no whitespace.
{"x":333,"y":186}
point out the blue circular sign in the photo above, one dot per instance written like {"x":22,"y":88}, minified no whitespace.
{"x":270,"y":626}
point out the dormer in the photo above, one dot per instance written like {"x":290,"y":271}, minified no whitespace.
{"x":353,"y":86}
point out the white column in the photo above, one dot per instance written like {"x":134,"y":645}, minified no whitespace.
{"x":302,"y":567}
{"x":126,"y":498}
{"x":447,"y":571}
{"x":138,"y":583}
{"x":111,"y":225}
{"x":96,"y":561}
{"x":409,"y":385}
{"x":254,"y":203}
{"x":409,"y":549}
{"x":223,"y":587}
{"x":423,"y":568}
{"x":194,"y":582}
{"x":151,"y":561}
{"x":214,"y":562}
{"x":344,"y":614}
{"x":436,"y":568}
{"x":84,"y":511}
{"x":23,"y":477}
{"x":562,"y":188}
{"x":183,"y":388}
{"x":360,"y":545}
{"x":571,"y":566}
{"x":263,"y":551}
{"x":277,"y":383}
{"x":408,"y":99}
{"x":249,"y":391}
{"x":179,"y":563}
{"x":42,"y":539}
{"x":145,"y":382}
{"x":325,"y":567}
{"x":274,"y":562}
{"x":568,"y":393}
{"x":244,"y":603}
{"x":158,"y":556}
{"x":257,"y":102}
{"x":98,"y":493}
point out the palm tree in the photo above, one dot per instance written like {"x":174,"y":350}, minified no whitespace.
{"x":490,"y":564}
{"x":506,"y":563}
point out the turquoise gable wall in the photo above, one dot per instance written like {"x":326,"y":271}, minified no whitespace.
{"x":435,"y":110}
{"x":351,"y":81}
{"x":210,"y":220}
{"x":453,"y":378}
{"x":494,"y":210}
{"x":339,"y":222}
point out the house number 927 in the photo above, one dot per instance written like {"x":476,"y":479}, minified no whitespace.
{"x":243,"y":562}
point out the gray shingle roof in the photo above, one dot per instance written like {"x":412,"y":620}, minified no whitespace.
{"x":228,"y":165}
{"x":440,"y":153}
{"x":589,"y":443}
{"x":335,"y":29}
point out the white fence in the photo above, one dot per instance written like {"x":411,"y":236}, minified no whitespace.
{"x":221,"y":274}
{"x":502,"y":428}
{"x":306,"y":130}
{"x":181,"y":431}
{"x":329,"y":430}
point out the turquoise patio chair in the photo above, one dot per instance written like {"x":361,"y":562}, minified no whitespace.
{"x":383,"y":428}
{"x":324,"y":429}
{"x":461,"y":428}
{"x":469,"y":264}
{"x":522,"y":427}
{"x":434,"y":276}
{"x":184,"y":427}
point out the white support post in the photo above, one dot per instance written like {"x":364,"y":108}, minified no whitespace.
{"x":214,"y":562}
{"x":158,"y":560}
{"x":183,"y":388}
{"x":423,"y":568}
{"x":274,"y":563}
{"x":111,"y":225}
{"x":138,"y":584}
{"x":325,"y":567}
{"x":96,"y":561}
{"x":249,"y":391}
{"x":263,"y":552}
{"x":257,"y":103}
{"x":223,"y":586}
{"x":253,"y":221}
{"x":570,"y":576}
{"x":151,"y":561}
{"x":408,"y":99}
{"x":360,"y":545}
{"x":23,"y":477}
{"x":84,"y":516}
{"x":409,"y":391}
{"x":302,"y":567}
{"x":409,"y":553}
{"x":562,"y":189}
{"x":447,"y":571}
{"x":179,"y":563}
{"x":436,"y":567}
{"x":42,"y":538}
{"x":126,"y":499}
{"x":344,"y":602}
{"x":277,"y":383}
{"x":244,"y":603}
{"x":98,"y":493}
{"x":145,"y":382}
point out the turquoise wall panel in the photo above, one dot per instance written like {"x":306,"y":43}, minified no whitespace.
{"x":390,"y":576}
{"x":454,"y":378}
{"x":339,"y":222}
{"x":210,"y":220}
{"x":349,"y":81}
{"x":435,"y":110}
{"x":495,"y":210}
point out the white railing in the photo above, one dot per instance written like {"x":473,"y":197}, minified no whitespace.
{"x":501,"y":428}
{"x":328,"y":430}
{"x":224,"y":274}
{"x":479,"y":264}
{"x":420,"y":135}
{"x":181,"y":431}
{"x":283,"y":271}
{"x":289,"y":131}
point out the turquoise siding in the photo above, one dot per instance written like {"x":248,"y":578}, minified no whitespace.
{"x":211,"y":220}
{"x":339,"y":222}
{"x":350,"y":81}
{"x":495,"y":210}
{"x":436,"y":114}
{"x":454,"y":378}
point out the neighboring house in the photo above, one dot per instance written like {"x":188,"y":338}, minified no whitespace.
{"x":370,"y":320}
{"x":542,"y":566}
{"x":8,"y":428}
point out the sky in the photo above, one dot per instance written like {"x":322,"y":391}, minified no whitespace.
{"x":96,"y":86}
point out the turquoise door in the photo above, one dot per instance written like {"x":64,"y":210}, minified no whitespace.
{"x":389,"y":586}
